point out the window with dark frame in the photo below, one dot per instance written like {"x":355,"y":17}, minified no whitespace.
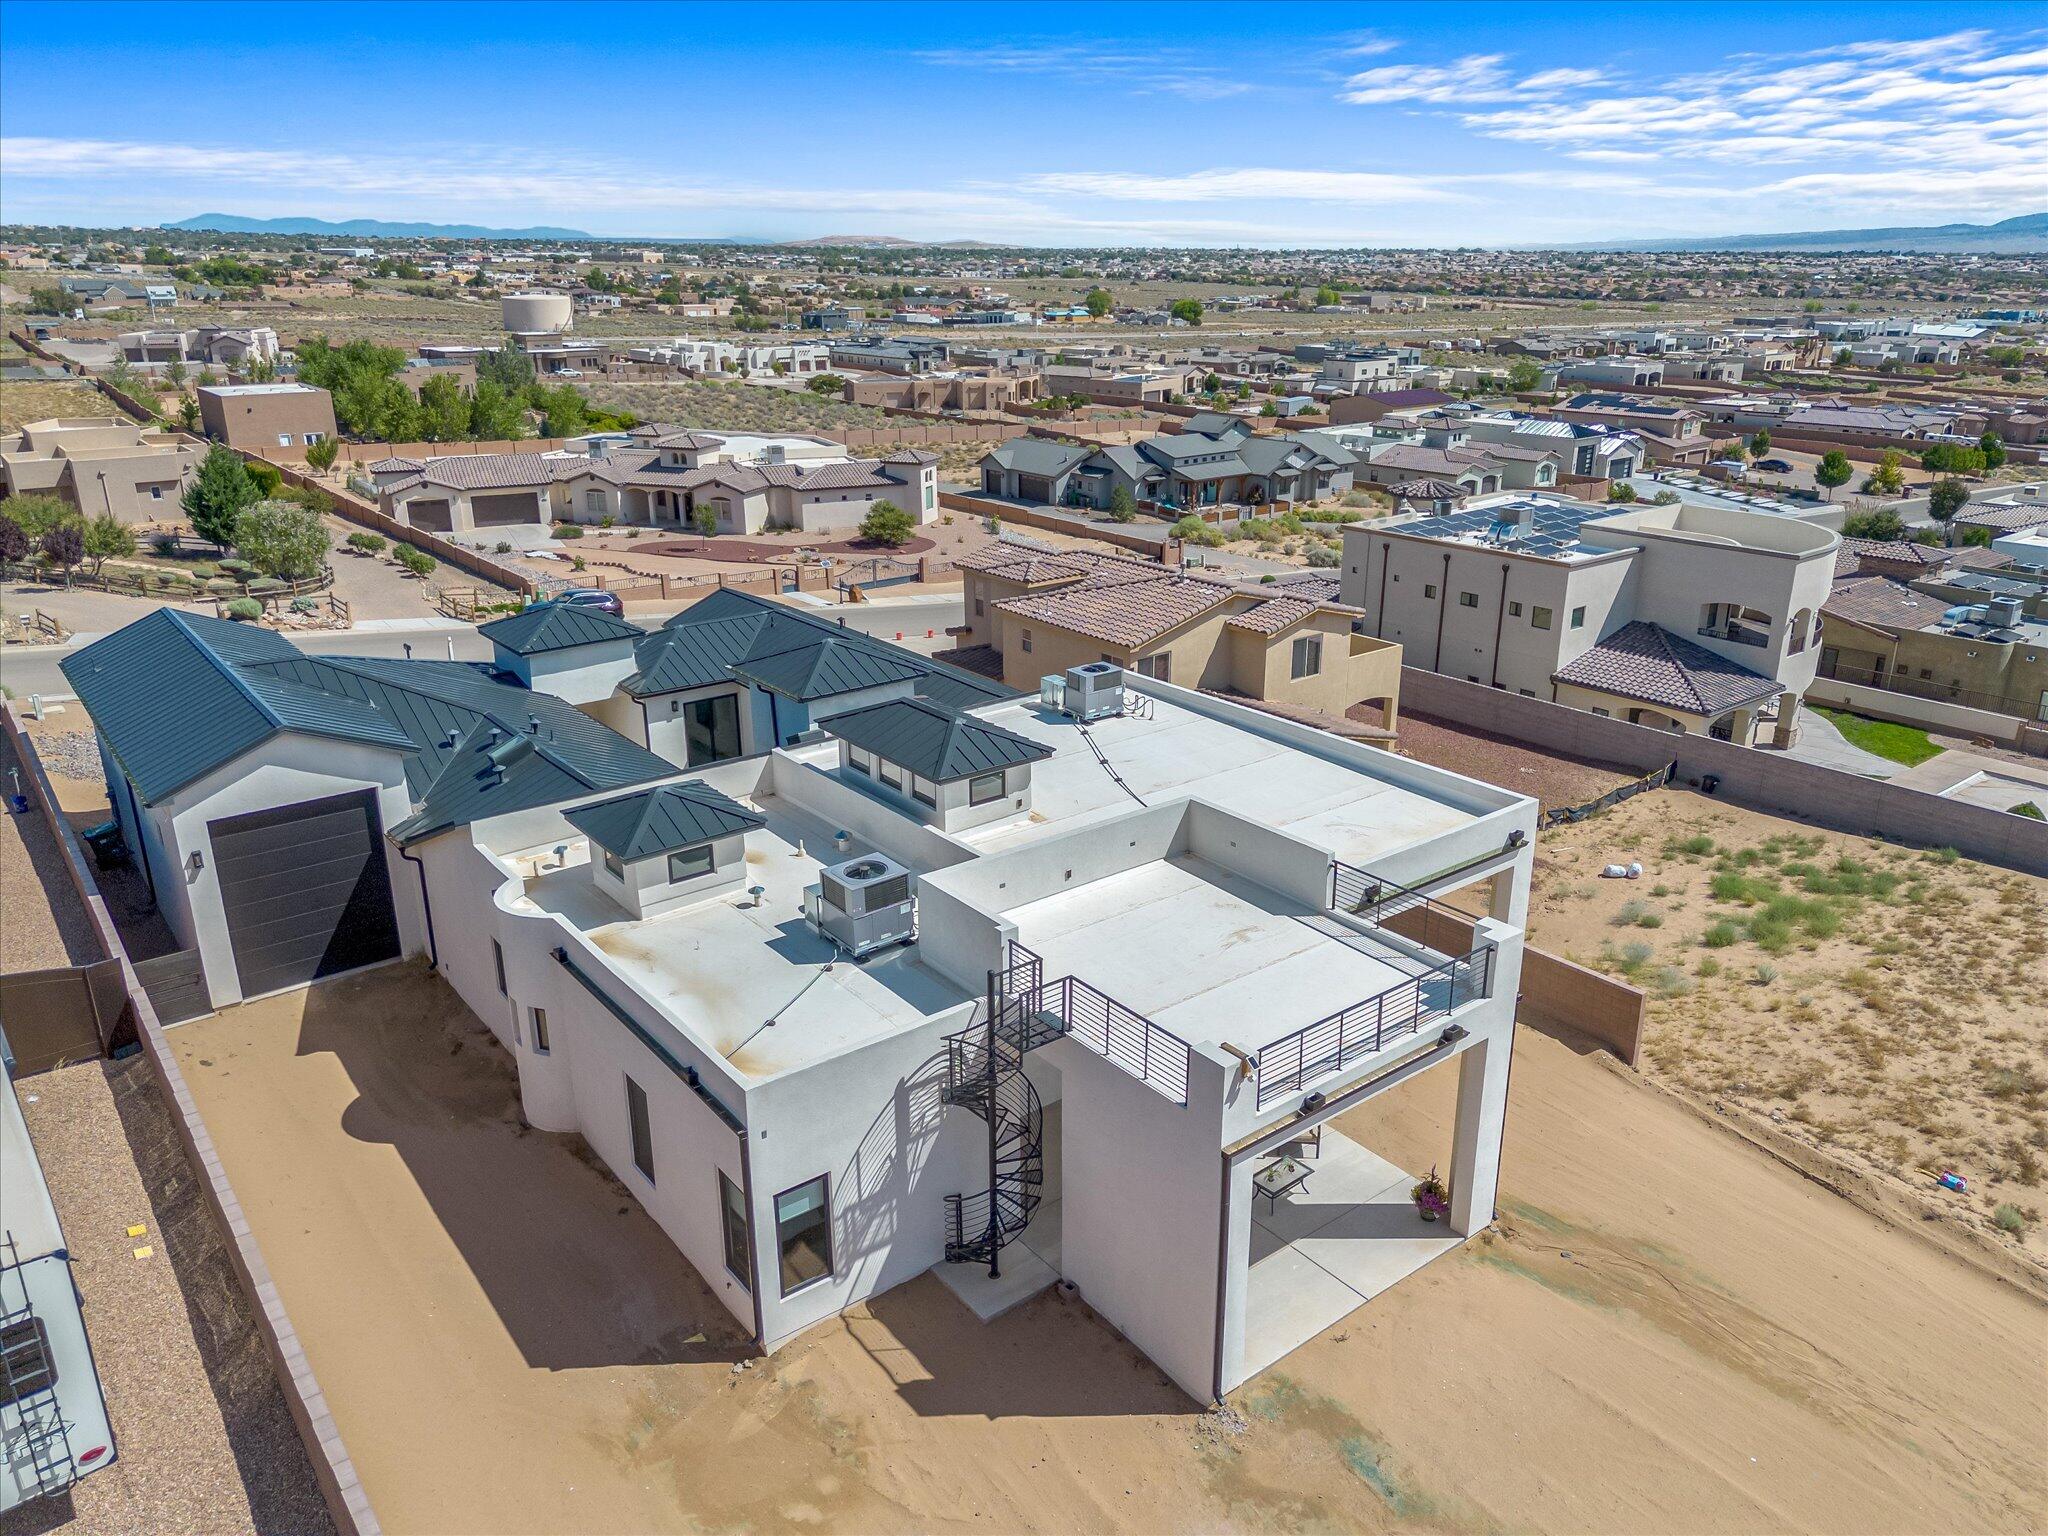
{"x":984,"y":788}
{"x":612,"y":865}
{"x":498,"y":960}
{"x":732,"y":1211}
{"x":1539,"y":618}
{"x":689,"y":863}
{"x":888,"y":773}
{"x":803,"y":1234}
{"x":540,"y":1030}
{"x":1578,"y":618}
{"x":642,"y":1130}
{"x":1308,"y":655}
{"x":924,"y":791}
{"x":1468,"y":599}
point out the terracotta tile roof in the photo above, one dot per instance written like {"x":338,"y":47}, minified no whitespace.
{"x":1882,"y":602}
{"x":483,"y":472}
{"x":2010,"y":518}
{"x":1648,"y":663}
{"x":1272,"y":615}
{"x":1129,"y":613}
{"x":1891,"y":551}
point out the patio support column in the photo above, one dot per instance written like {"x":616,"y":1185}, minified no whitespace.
{"x":1482,"y":1116}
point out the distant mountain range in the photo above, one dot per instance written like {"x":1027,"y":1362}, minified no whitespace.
{"x":235,"y":224}
{"x":2026,"y":234}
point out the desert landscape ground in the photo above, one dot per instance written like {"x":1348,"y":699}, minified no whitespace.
{"x":510,"y":1344}
{"x":1883,"y":1004}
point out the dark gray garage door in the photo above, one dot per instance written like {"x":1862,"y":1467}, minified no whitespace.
{"x":306,"y":889}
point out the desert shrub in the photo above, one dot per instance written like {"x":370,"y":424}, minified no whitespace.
{"x":244,"y":609}
{"x":1708,"y":967}
{"x":164,"y":545}
{"x":2028,"y":809}
{"x":366,"y":543}
{"x":2008,"y":1218}
{"x":1696,"y":846}
{"x":1670,"y":981}
{"x":1634,"y":956}
{"x":502,"y":547}
{"x":1764,"y":974}
{"x":568,"y":530}
{"x":417,"y":561}
{"x":1324,"y":557}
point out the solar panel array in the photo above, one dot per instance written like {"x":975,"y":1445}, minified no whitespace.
{"x":1552,"y":530}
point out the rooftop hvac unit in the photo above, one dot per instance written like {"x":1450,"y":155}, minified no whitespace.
{"x":1052,"y":691}
{"x":2003,"y":612}
{"x":865,"y":904}
{"x":1095,"y":690}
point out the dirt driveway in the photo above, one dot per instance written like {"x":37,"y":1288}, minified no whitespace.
{"x":1669,"y":1331}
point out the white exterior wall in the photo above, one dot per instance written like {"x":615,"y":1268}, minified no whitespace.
{"x":282,"y":771}
{"x":579,"y":674}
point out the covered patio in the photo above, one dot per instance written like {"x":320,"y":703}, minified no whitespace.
{"x":1328,"y":1246}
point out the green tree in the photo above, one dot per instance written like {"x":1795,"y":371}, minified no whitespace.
{"x":1888,"y":479}
{"x":366,"y":543}
{"x":283,"y":539}
{"x":215,"y":501}
{"x":1620,"y":490}
{"x":269,"y":480}
{"x":494,"y":415}
{"x":444,"y":410}
{"x":1883,"y":524}
{"x":175,"y":375}
{"x":52,"y":300}
{"x":1844,"y":357}
{"x":670,"y":292}
{"x":826,"y":384}
{"x":1123,"y":506}
{"x":121,"y":374}
{"x":1326,"y":295}
{"x":14,"y":541}
{"x":321,"y":455}
{"x":1992,"y":446}
{"x":887,"y":524}
{"x":1524,"y":375}
{"x":705,"y":520}
{"x":188,"y":413}
{"x":1945,"y":498}
{"x":1833,"y":471}
{"x":415,"y":560}
{"x":106,"y":539}
{"x":507,"y":367}
{"x":1098,"y":302}
{"x":1213,"y":383}
{"x":1760,"y":445}
{"x":1953,"y":459}
{"x":35,"y":514}
{"x":1187,"y":311}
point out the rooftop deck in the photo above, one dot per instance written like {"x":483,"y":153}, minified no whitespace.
{"x":1207,"y":954}
{"x":1177,"y":753}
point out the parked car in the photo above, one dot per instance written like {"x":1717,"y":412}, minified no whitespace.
{"x":1776,"y":466}
{"x":593,"y":597}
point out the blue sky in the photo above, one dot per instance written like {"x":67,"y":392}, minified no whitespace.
{"x":1101,"y":124}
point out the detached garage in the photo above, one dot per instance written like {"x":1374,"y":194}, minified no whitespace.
{"x":305,"y":890}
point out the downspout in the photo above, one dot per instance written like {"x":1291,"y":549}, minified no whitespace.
{"x":1500,"y":618}
{"x":1443,"y":599}
{"x":1379,"y":623}
{"x":426,"y":905}
{"x":753,"y":1240}
{"x":142,"y":853}
{"x":646,"y":726}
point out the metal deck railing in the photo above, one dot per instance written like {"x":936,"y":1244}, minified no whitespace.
{"x":1157,"y":1057}
{"x":1369,"y":1026}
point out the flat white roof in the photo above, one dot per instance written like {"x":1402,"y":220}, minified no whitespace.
{"x":1205,"y":953}
{"x":259,"y":389}
{"x":1179,"y":754}
{"x":725,"y":967}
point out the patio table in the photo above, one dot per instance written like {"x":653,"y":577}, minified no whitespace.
{"x":1281,"y":1177}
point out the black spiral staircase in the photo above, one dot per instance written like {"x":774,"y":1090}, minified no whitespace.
{"x":985,"y":1074}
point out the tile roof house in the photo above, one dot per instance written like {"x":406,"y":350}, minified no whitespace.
{"x":1033,"y":612}
{"x":1214,"y":459}
{"x":1647,"y":663}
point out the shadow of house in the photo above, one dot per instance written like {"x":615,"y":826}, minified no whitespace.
{"x":577,"y":1273}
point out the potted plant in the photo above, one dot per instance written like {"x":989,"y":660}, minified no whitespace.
{"x":1431,"y":1199}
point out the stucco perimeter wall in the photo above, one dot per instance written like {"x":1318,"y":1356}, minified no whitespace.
{"x":1554,"y":990}
{"x":1936,"y":714}
{"x":1751,"y":776}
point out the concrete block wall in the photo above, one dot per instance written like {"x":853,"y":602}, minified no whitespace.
{"x":1750,"y":776}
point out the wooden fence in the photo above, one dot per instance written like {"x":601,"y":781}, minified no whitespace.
{"x":66,"y":1014}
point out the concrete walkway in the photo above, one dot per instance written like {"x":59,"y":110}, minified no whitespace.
{"x":1821,"y":743}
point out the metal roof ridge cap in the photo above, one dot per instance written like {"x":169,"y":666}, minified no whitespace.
{"x":227,"y":668}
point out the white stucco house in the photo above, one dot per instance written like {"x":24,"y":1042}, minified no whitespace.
{"x":1687,"y":617}
{"x":878,"y":968}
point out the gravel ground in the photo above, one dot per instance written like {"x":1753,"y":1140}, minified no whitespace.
{"x":45,"y":923}
{"x":1552,"y":779}
{"x":204,"y":1443}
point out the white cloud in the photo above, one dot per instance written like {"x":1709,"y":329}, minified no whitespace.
{"x":1244,"y":184}
{"x":1475,"y":77}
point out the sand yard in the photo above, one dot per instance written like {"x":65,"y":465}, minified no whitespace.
{"x":509,"y":1344}
{"x":1885,"y":1006}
